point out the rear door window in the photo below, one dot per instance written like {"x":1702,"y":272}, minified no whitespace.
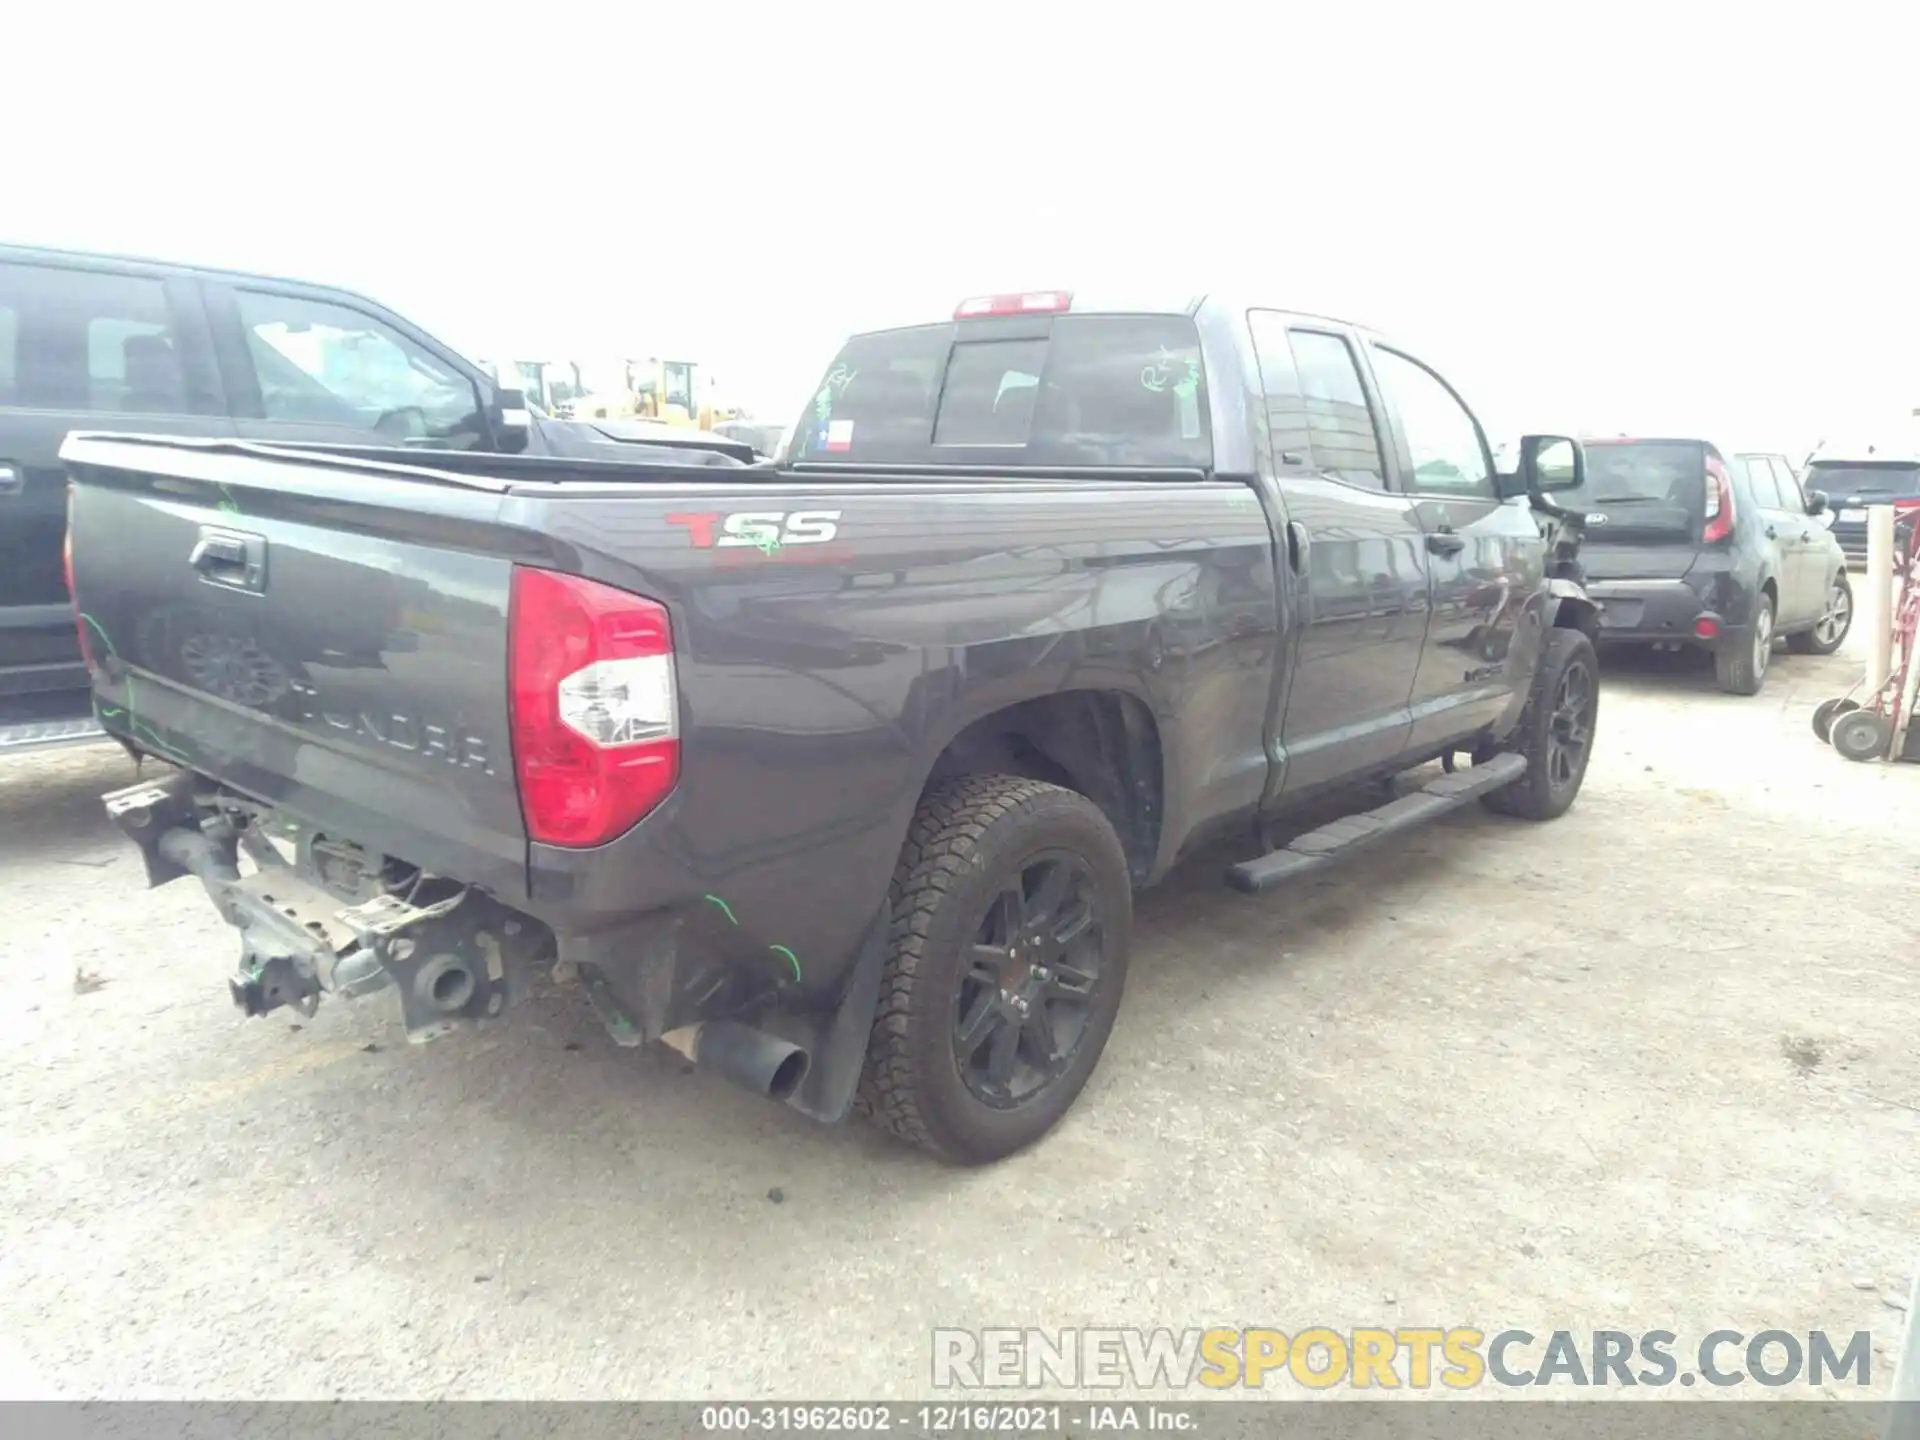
{"x":91,"y":341}
{"x":1340,"y":424}
{"x":1119,"y":390}
{"x":1647,"y":490}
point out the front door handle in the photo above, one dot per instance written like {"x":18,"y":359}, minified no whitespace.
{"x":1772,"y":534}
{"x":1445,"y":542}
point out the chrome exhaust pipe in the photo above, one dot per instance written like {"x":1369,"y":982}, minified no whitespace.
{"x":763,"y":1063}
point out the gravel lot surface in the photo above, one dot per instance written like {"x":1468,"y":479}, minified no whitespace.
{"x":1652,"y":1066}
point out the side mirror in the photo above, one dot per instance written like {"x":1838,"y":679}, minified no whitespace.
{"x":1816,"y":502}
{"x":511,"y":423}
{"x":1550,"y":463}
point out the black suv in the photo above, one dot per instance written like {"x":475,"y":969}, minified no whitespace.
{"x":1686,"y":547}
{"x":1856,"y":482}
{"x":100,"y":342}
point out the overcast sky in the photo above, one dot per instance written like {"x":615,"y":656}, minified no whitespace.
{"x":1674,"y":217}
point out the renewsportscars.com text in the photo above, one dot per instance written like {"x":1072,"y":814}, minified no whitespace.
{"x":1404,"y":1357}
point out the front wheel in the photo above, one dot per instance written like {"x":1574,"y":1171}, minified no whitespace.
{"x":1555,"y":731}
{"x":1012,"y":916}
{"x":1834,"y":622}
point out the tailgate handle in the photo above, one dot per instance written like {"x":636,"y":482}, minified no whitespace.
{"x":1445,"y":542}
{"x":231,"y":558}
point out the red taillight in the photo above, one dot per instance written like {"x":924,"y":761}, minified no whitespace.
{"x":1707,"y":628}
{"x":1033,"y":302}
{"x":73,"y":593}
{"x":596,"y":716}
{"x":1719,"y":504}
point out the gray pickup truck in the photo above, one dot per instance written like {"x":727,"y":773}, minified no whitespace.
{"x":836,"y":774}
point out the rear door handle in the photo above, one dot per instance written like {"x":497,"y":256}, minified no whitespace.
{"x":12,"y":482}
{"x":1445,"y":542}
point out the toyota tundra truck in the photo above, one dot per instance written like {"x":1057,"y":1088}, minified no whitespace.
{"x":837,"y":774}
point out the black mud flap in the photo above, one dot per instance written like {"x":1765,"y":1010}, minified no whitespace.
{"x":837,"y":1041}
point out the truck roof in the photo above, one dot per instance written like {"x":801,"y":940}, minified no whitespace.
{"x":30,"y":254}
{"x":1099,"y":302}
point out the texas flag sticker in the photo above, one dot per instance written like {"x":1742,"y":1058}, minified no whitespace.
{"x":839,"y":435}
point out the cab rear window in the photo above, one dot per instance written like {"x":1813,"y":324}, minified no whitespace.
{"x":1116,"y":390}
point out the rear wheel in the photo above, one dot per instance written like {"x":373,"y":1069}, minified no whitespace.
{"x":1742,"y":669}
{"x":1835,"y":621}
{"x":1555,"y":731}
{"x":1012,"y":914}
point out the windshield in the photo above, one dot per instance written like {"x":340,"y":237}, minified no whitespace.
{"x":1119,"y":390}
{"x":1897,"y":480}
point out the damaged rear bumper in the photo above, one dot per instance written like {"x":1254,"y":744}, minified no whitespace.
{"x":462,"y":958}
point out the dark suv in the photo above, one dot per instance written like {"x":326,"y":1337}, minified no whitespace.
{"x":102,"y":342}
{"x":1688,"y":547}
{"x":1856,"y":482}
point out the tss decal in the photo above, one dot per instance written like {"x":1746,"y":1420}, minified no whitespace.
{"x":767,"y":530}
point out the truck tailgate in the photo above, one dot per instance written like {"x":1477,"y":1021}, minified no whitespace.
{"x":333,"y":641}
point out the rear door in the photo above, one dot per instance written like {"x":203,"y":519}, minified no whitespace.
{"x":309,"y":366}
{"x":1485,"y":554}
{"x":1784,"y":531}
{"x":82,"y":346}
{"x":1354,"y":547}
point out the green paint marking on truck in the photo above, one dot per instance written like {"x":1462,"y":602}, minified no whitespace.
{"x":725,"y":909}
{"x":139,"y":726}
{"x":792,"y":959}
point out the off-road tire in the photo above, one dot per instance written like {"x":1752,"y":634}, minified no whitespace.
{"x":1739,"y":670}
{"x":1809,"y":642}
{"x":1534,"y":796}
{"x":967,"y":837}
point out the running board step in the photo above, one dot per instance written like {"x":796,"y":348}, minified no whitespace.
{"x":45,"y":734}
{"x":1351,"y":833}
